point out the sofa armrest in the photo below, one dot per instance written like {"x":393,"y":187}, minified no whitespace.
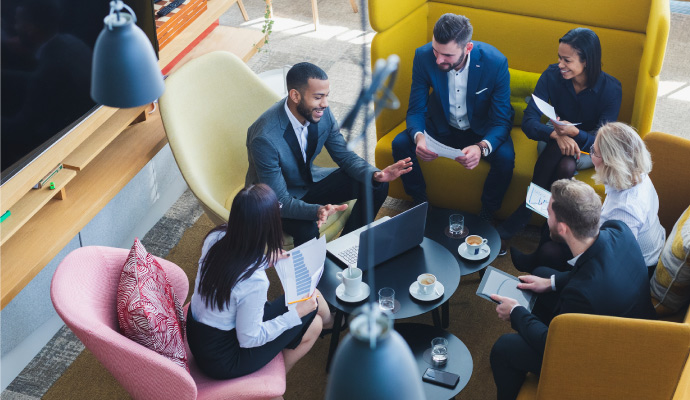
{"x":598,"y":357}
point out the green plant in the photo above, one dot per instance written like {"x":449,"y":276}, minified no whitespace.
{"x":268,"y":23}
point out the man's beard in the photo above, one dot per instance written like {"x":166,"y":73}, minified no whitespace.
{"x":453,"y":66}
{"x":556,"y":237}
{"x":306,"y":112}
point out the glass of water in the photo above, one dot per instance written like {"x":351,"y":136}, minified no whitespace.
{"x":456,"y":224}
{"x":439,"y":351}
{"x":387,"y":299}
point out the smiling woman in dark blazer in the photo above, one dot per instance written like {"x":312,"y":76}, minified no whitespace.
{"x":582,"y":95}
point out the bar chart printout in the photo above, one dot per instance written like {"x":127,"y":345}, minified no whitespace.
{"x":538,"y":199}
{"x":300,"y":273}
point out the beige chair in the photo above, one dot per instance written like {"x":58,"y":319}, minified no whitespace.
{"x":206,"y":109}
{"x":314,"y":10}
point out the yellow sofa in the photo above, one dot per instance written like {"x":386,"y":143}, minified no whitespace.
{"x":633,"y":36}
{"x":596,"y":357}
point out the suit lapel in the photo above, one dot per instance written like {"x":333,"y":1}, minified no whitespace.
{"x":292,"y":142}
{"x":441,"y":88}
{"x":312,"y":139}
{"x":474,"y":74}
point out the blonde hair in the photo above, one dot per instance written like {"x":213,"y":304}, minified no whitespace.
{"x":576,"y":204}
{"x":624,"y":155}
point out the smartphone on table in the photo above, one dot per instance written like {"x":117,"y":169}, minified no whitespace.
{"x":441,"y":378}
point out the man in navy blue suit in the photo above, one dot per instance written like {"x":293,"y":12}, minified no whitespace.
{"x":469,"y":109}
{"x":609,"y":277}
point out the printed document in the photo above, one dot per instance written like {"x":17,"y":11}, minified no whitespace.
{"x":548,"y":110}
{"x":300,"y":273}
{"x":538,"y":199}
{"x":441,"y":149}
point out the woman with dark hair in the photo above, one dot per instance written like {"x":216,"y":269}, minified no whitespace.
{"x":584,"y":98}
{"x":232,"y":330}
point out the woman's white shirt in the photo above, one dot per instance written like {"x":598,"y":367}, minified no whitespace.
{"x":245,"y":311}
{"x":638,"y":207}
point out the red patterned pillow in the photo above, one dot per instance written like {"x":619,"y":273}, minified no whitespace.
{"x":147,"y":309}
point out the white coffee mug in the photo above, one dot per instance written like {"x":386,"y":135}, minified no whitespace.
{"x":352,"y":279}
{"x":427,"y":283}
{"x":474,"y":243}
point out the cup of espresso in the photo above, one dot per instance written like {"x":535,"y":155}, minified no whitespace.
{"x":352,"y":280}
{"x":427,"y":283}
{"x":474,"y":244}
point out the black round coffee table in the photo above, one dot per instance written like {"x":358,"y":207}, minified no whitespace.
{"x":398,"y":273}
{"x":418,"y":337}
{"x":436,"y":223}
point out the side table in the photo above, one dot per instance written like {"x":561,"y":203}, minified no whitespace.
{"x":398,"y":273}
{"x":436,"y":223}
{"x":418,"y":337}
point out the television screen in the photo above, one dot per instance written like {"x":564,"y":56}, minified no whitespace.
{"x":46,"y":56}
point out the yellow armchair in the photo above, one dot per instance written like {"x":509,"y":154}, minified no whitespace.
{"x":206,"y":109}
{"x":633,"y":36}
{"x":599,"y":357}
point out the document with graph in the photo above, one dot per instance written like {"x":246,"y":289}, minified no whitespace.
{"x":503,"y":284}
{"x":538,"y":199}
{"x":301,"y":272}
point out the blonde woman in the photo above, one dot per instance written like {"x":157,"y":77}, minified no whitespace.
{"x":622,"y":163}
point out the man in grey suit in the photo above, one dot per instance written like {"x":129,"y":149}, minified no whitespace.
{"x":282,"y":145}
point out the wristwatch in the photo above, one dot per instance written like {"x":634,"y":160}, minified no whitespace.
{"x":484,"y":148}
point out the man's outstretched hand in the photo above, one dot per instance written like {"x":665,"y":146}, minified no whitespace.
{"x":326,"y":211}
{"x":393,"y":171}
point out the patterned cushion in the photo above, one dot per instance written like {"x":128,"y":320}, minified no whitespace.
{"x":147,"y":309}
{"x":671,"y":281}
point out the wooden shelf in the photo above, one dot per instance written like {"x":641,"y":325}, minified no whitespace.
{"x":42,"y":237}
{"x":32,"y":202}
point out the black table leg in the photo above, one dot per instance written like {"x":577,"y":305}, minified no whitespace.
{"x":436,"y":317}
{"x":481,"y":273}
{"x":335,"y":337}
{"x":445,"y":314}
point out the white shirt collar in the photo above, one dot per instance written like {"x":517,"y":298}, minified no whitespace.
{"x":573,"y":260}
{"x":296,"y":125}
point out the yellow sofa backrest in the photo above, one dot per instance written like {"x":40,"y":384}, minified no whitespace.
{"x":633,"y":36}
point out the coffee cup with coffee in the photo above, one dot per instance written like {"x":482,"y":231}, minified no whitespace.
{"x":352,"y":280}
{"x":427,"y":283}
{"x":474,"y":244}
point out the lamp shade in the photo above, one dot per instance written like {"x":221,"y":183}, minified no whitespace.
{"x":387,"y":370}
{"x":125,"y":70}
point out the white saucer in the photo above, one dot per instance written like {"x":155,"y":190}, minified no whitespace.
{"x":437,"y":293}
{"x":484,"y":252}
{"x":363,"y":293}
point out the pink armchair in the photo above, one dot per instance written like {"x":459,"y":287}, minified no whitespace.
{"x":84,"y":290}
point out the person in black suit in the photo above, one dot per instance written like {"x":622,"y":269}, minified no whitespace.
{"x":609,"y":277}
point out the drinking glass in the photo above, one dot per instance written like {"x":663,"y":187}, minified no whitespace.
{"x":439,"y":350}
{"x":387,"y":299}
{"x":456,"y":224}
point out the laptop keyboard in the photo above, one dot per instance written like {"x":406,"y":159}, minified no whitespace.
{"x":349,"y":255}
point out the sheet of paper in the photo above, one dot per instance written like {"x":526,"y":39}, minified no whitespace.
{"x":538,"y":199}
{"x":301,"y":272}
{"x":441,"y":149}
{"x":548,"y":110}
{"x":503,"y":284}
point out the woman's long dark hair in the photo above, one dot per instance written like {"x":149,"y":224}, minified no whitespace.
{"x":253,"y":235}
{"x":586,"y":43}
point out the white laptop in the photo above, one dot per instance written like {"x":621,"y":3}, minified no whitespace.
{"x":391,"y":236}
